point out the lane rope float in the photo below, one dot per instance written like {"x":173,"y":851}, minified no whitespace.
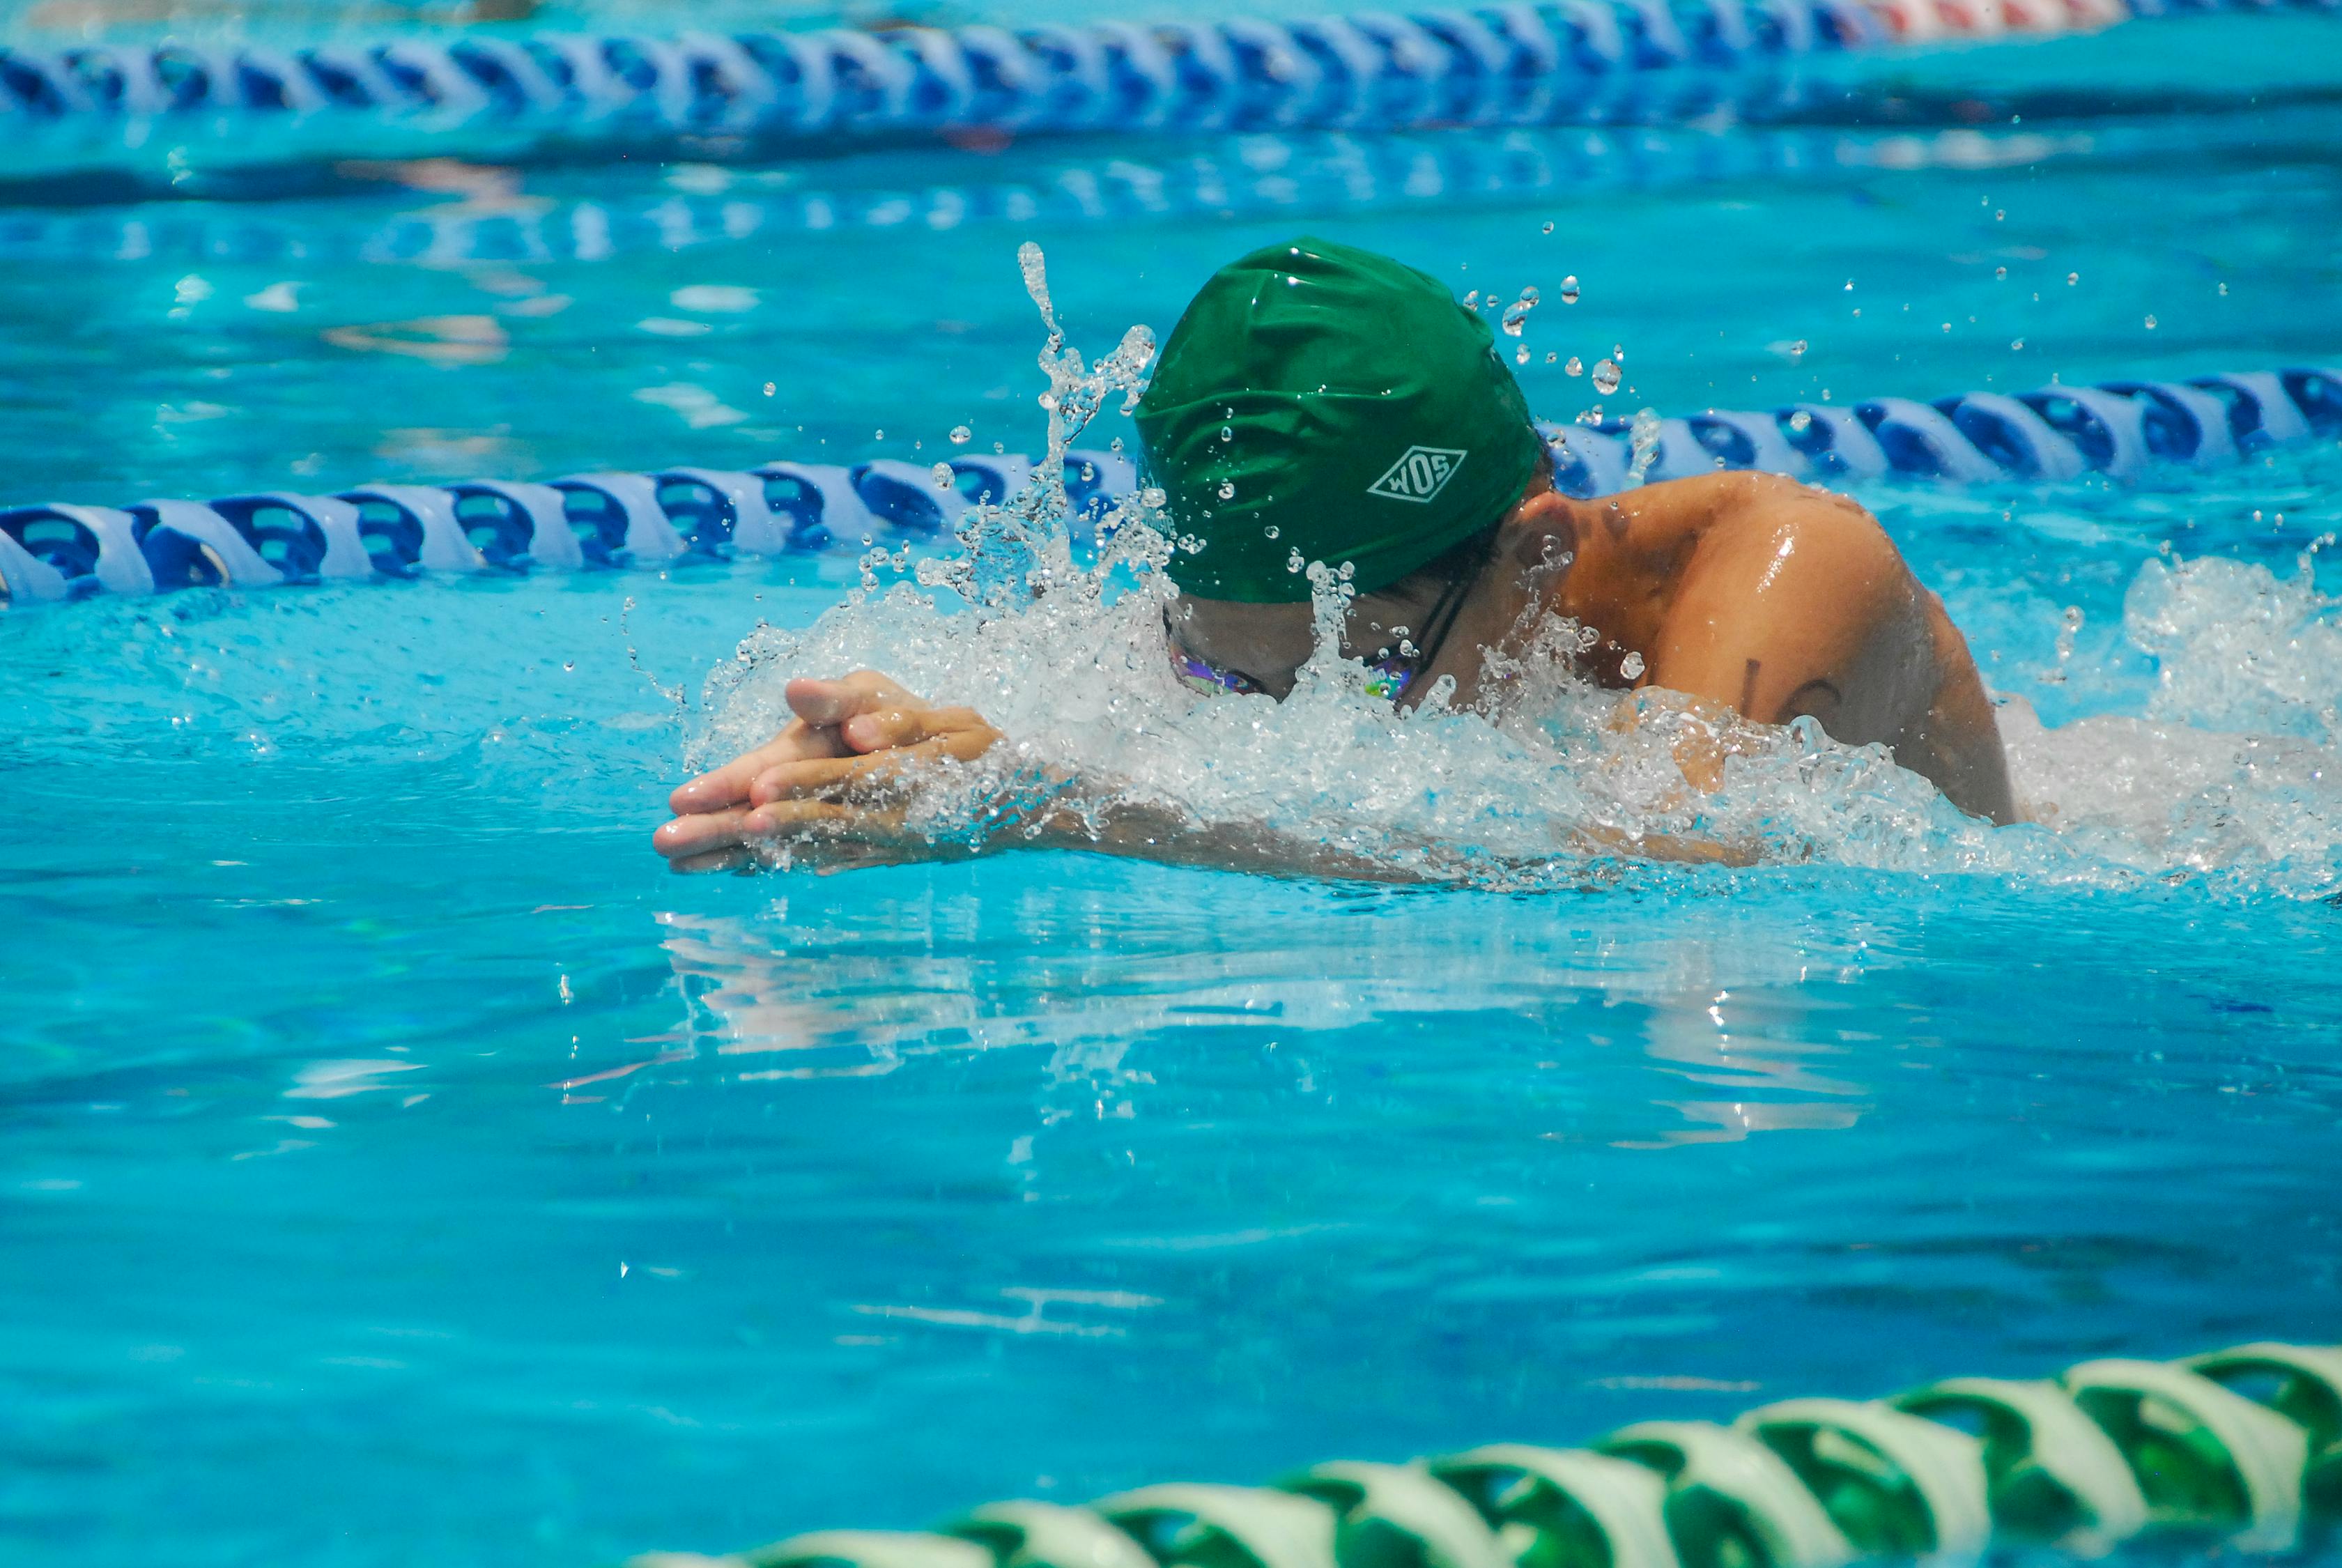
{"x":2240,"y":1449}
{"x":61,"y":551}
{"x":1510,"y":64}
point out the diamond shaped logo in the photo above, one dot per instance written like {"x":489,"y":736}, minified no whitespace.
{"x":1420,"y":473}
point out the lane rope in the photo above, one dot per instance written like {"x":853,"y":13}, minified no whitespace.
{"x":2238,"y":1450}
{"x":62,"y":551}
{"x":1510,"y":64}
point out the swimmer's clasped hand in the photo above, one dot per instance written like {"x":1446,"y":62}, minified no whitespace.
{"x":841,"y":771}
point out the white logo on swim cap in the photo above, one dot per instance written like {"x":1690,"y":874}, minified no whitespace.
{"x":1420,"y":475}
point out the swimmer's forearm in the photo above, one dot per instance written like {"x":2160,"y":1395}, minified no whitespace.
{"x":1674,"y":848}
{"x":1167,"y":837}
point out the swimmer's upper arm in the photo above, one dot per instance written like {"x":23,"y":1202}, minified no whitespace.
{"x":1780,"y":604}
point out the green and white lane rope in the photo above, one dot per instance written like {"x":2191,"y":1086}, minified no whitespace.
{"x":2240,"y":1450}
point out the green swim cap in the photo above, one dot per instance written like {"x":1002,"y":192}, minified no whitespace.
{"x":1321,"y":399}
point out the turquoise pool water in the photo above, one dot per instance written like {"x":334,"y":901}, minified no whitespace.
{"x":401,"y":1166}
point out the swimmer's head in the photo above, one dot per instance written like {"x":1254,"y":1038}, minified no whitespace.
{"x":1322,"y":403}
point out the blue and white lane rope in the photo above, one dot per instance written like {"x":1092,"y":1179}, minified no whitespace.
{"x":1510,"y":64}
{"x":63,"y":551}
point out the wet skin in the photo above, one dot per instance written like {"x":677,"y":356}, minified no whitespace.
{"x":1744,"y":592}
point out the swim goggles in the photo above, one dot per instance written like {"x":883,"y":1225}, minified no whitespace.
{"x":1388,"y":677}
{"x":1388,"y":674}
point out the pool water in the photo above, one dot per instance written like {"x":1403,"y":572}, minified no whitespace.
{"x":401,"y":1165}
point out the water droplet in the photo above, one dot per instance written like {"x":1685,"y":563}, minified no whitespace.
{"x":1800,"y":422}
{"x":878,"y":435}
{"x":2150,"y":324}
{"x":1273,"y":531}
{"x":1569,"y":290}
{"x":2000,"y":272}
{"x":1618,"y":353}
{"x":1849,"y":286}
{"x":1521,"y":355}
{"x":961,"y":435}
{"x":1049,"y":401}
{"x":1516,"y":314}
{"x":1227,"y":432}
{"x":1472,"y":300}
{"x":2000,"y":215}
{"x":1114,"y":445}
{"x":1548,"y":225}
{"x":770,"y":389}
{"x":1631,"y":667}
{"x":2224,"y":288}
{"x":1152,"y":497}
{"x":1227,"y":490}
{"x":2072,"y":278}
{"x":943,"y":475}
{"x":1606,"y":377}
{"x":1575,"y":367}
{"x":568,"y":664}
{"x":1797,"y":349}
{"x":1552,"y":355}
{"x":2016,"y":344}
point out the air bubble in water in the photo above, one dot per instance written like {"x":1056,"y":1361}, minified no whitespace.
{"x":1575,"y":367}
{"x":943,"y":476}
{"x":1631,"y":667}
{"x":1606,"y":377}
{"x":961,"y":435}
{"x":1569,"y":290}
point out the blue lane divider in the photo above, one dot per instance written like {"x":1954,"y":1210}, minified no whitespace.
{"x":62,"y":551}
{"x":1515,"y":63}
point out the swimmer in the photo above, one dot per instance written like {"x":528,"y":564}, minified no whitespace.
{"x":1326,"y":402}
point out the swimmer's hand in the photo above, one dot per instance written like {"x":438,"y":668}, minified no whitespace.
{"x":837,"y":772}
